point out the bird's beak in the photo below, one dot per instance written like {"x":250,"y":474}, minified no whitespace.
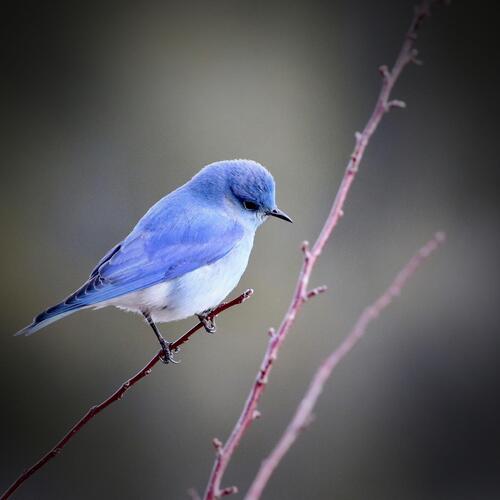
{"x":279,"y":214}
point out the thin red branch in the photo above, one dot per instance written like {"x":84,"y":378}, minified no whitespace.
{"x":304,"y":413}
{"x":116,"y":396}
{"x":383,"y":104}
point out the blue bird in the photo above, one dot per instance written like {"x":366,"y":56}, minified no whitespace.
{"x":185,"y":255}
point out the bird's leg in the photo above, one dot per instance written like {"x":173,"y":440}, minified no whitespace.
{"x":208,"y":324}
{"x":168,"y":356}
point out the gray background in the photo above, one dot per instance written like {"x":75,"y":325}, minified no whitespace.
{"x":106,"y":107}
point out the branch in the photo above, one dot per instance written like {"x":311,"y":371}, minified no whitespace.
{"x":304,"y":413}
{"x":116,"y":396}
{"x":383,"y":104}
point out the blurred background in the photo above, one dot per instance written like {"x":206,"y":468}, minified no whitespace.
{"x":108,"y":106}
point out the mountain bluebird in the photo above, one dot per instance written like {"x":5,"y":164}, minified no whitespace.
{"x":185,"y":255}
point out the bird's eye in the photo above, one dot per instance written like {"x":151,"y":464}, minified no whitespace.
{"x":250,"y":205}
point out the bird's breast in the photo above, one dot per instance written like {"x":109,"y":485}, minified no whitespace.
{"x":201,"y":289}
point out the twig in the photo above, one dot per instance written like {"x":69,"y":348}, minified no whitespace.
{"x":383,"y":104}
{"x":304,"y":413}
{"x":117,"y":395}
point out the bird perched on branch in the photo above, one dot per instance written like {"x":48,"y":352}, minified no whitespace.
{"x":186,"y":253}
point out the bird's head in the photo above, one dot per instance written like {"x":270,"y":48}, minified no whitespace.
{"x":246,"y":186}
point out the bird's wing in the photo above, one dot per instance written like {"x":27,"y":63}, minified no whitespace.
{"x":165,"y":244}
{"x":150,"y":256}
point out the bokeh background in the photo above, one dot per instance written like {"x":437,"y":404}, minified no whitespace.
{"x":108,"y":106}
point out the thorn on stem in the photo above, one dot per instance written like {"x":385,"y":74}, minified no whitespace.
{"x":256,"y":414}
{"x":271,"y":332}
{"x":217,"y":444}
{"x":396,"y":103}
{"x":305,"y":250}
{"x":384,"y":71}
{"x":230,"y":490}
{"x":414,"y":59}
{"x":262,"y":377}
{"x":316,"y":291}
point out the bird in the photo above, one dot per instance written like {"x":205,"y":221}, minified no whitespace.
{"x":185,"y":255}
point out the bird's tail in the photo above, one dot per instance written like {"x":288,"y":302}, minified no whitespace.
{"x":47,"y":317}
{"x":80,"y":299}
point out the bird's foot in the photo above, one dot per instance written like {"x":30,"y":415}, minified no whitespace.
{"x":167,"y":355}
{"x":208,"y":323}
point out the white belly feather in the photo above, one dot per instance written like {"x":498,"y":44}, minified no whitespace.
{"x":192,"y":293}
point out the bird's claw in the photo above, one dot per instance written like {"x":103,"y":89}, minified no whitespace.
{"x":167,"y":355}
{"x":208,"y":323}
